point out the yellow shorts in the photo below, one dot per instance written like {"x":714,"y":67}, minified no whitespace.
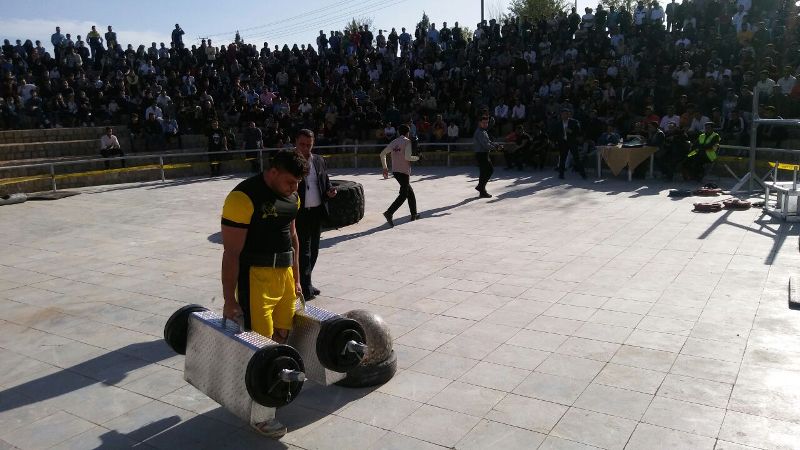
{"x":272,"y":298}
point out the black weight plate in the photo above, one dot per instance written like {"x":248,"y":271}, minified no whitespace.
{"x":177,"y":327}
{"x":262,"y":377}
{"x":333,"y":336}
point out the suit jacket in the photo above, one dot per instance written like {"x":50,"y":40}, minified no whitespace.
{"x":573,"y":132}
{"x":324,"y":182}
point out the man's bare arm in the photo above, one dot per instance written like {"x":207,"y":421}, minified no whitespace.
{"x":233,"y":241}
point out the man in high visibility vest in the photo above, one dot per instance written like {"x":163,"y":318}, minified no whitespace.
{"x":703,"y":152}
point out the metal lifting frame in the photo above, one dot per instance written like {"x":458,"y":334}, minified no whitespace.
{"x":754,"y":123}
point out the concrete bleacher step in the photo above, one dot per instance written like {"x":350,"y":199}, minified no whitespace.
{"x":116,"y":175}
{"x":56,"y":134}
{"x":51,"y":149}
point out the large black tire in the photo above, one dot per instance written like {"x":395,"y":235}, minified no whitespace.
{"x":347,"y":207}
{"x":371,"y":375}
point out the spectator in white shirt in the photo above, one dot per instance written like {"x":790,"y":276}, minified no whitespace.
{"x":683,"y":75}
{"x":162,"y":100}
{"x":787,"y":81}
{"x":452,"y":132}
{"x":109,"y":146}
{"x":556,"y":86}
{"x":669,"y":118}
{"x":518,"y":112}
{"x":657,"y":15}
{"x":530,"y":56}
{"x":698,"y":123}
{"x":738,"y":19}
{"x":154,"y":109}
{"x":765,"y":85}
{"x":501,"y":114}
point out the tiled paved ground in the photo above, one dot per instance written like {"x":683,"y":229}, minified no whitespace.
{"x":552,"y":316}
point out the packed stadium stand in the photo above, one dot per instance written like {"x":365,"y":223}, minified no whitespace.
{"x":683,"y":63}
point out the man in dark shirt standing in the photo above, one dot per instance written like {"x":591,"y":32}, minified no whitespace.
{"x":565,"y":134}
{"x":482,"y":146}
{"x":217,"y":142}
{"x":253,"y":140}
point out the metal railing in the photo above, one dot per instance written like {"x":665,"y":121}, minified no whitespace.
{"x":356,"y":149}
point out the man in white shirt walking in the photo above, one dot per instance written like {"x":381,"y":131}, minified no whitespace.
{"x":400,"y":148}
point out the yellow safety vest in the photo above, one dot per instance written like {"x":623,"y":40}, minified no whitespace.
{"x":702,"y":139}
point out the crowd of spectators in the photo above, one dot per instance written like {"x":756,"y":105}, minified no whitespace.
{"x":681,"y":63}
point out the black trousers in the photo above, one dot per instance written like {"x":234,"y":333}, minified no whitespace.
{"x":109,"y":152}
{"x":406,"y":193}
{"x":309,"y":228}
{"x":577,"y":161}
{"x":486,"y":169}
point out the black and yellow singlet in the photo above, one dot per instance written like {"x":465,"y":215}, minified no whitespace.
{"x":265,"y":291}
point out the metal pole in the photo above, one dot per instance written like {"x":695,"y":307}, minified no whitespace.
{"x":53,"y":176}
{"x":482,"y":12}
{"x":355,"y":156}
{"x":753,"y":132}
{"x":261,"y":160}
{"x":161,"y":164}
{"x":448,"y":155}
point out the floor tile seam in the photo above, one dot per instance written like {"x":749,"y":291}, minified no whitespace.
{"x":568,"y":440}
{"x":70,"y":369}
{"x":53,"y":414}
{"x":747,"y":343}
{"x":679,"y":352}
{"x":715,"y":437}
{"x":70,"y":328}
{"x":339,"y":411}
{"x":694,"y":402}
{"x":779,"y":419}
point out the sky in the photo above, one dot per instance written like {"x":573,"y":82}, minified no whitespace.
{"x":273,"y":21}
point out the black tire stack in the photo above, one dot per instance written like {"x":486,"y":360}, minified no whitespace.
{"x":347,"y":207}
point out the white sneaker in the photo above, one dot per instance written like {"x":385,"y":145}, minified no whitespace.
{"x":271,"y":428}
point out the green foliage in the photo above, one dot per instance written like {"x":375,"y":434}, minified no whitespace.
{"x":425,"y":23}
{"x":537,"y":9}
{"x":467,"y":33}
{"x":628,"y":4}
{"x":356,"y":22}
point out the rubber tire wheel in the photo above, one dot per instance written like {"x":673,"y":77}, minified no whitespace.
{"x":177,"y":327}
{"x":372,"y":375}
{"x":263,"y":371}
{"x":347,"y":207}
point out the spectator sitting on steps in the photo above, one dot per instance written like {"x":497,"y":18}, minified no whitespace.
{"x":109,"y":146}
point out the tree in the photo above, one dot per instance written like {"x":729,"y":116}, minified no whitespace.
{"x":356,"y":22}
{"x":467,"y":33}
{"x":537,"y":9}
{"x":628,"y":4}
{"x":425,"y":23}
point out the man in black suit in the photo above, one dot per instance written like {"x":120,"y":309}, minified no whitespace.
{"x":314,"y":190}
{"x":566,"y":133}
